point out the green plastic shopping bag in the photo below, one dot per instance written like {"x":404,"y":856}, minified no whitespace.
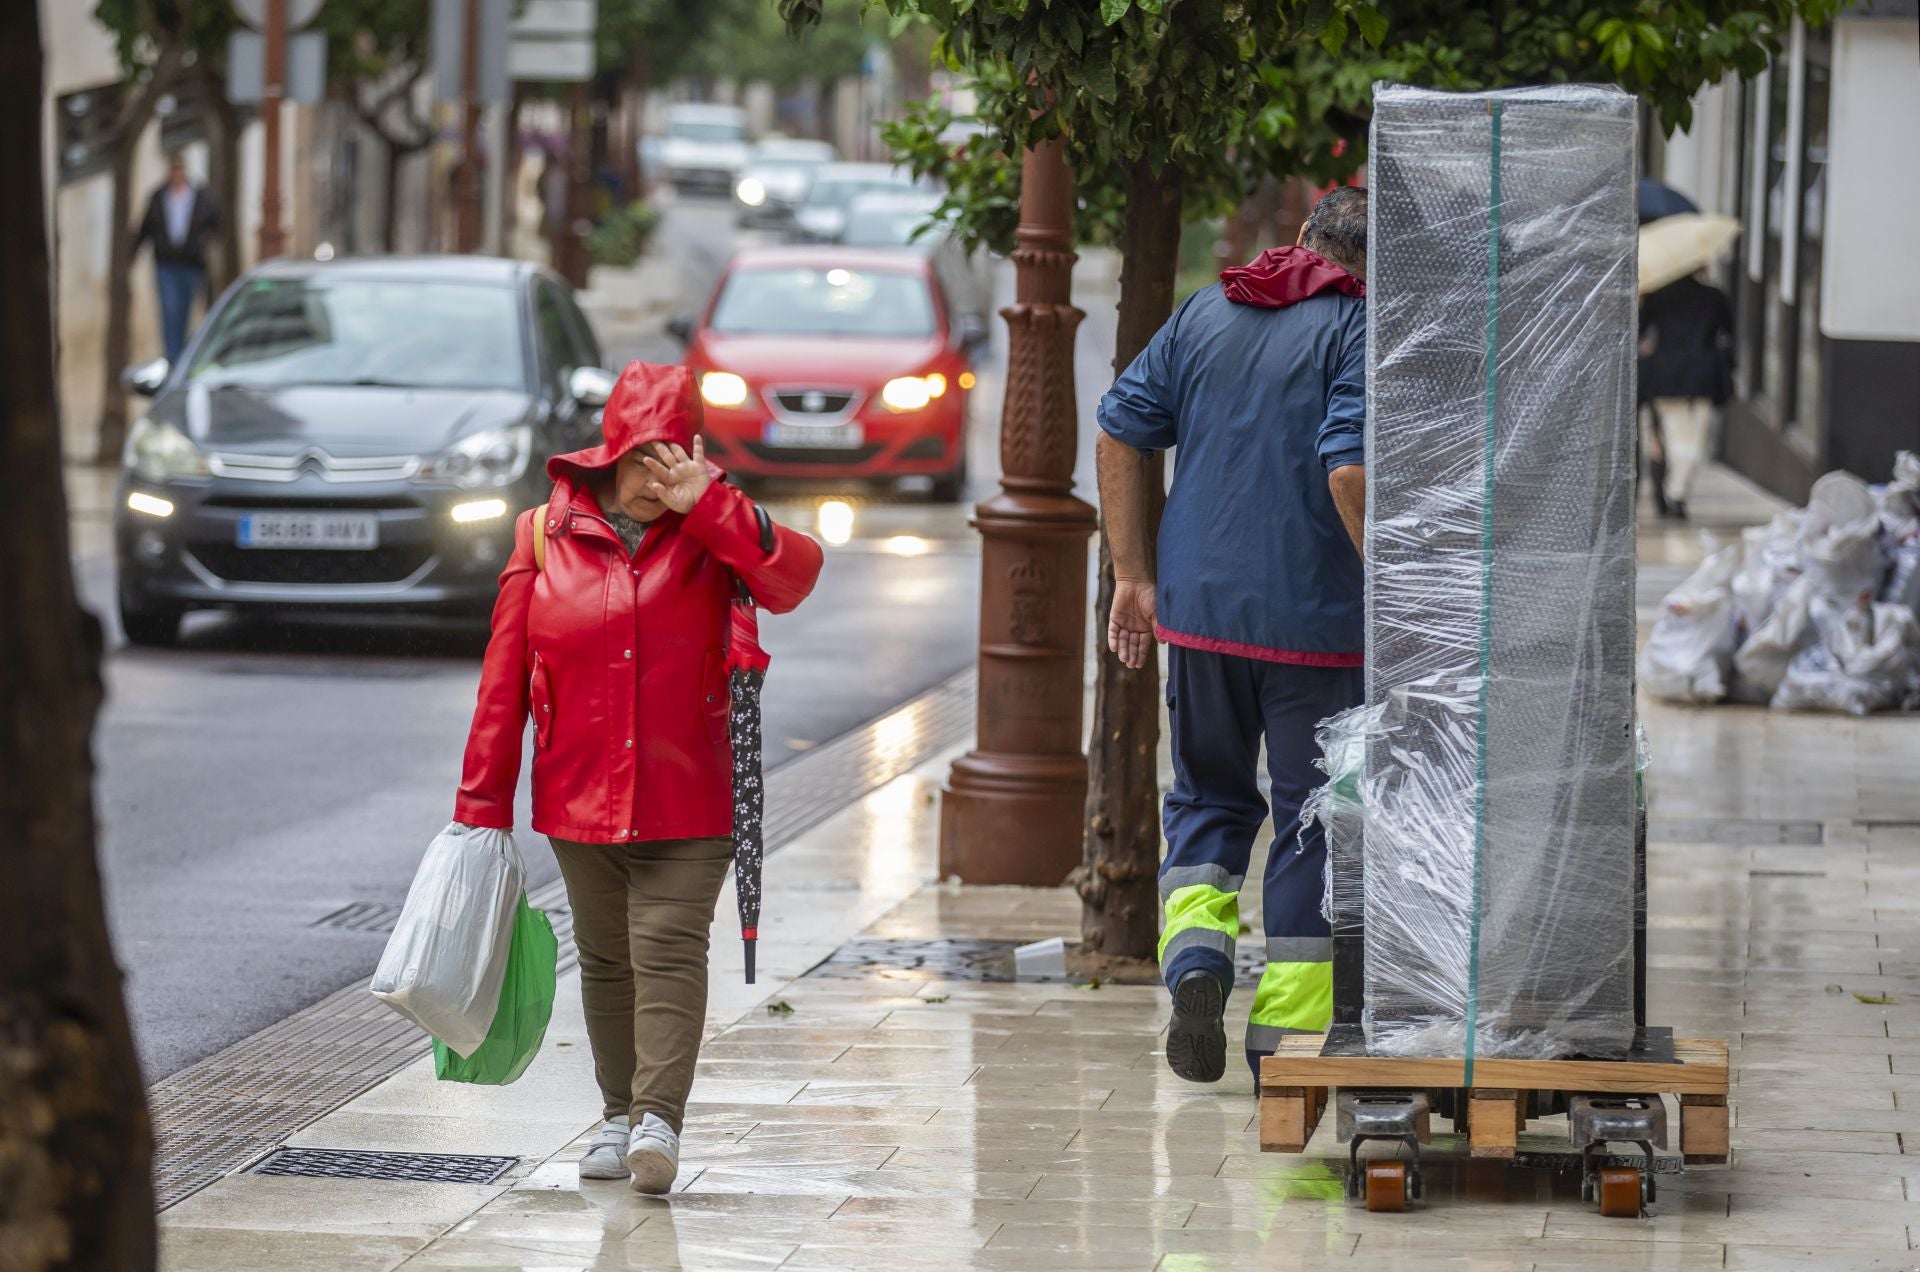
{"x":526,"y":1004}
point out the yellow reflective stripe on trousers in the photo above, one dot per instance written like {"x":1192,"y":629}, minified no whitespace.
{"x":1294,"y":996}
{"x":1201,"y":906}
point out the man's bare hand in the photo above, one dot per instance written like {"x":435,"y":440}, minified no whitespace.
{"x":1130,"y":627}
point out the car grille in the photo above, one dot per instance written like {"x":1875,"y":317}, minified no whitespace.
{"x":837,"y":456}
{"x":301,"y":566}
{"x":254,"y":502}
{"x":813,"y":401}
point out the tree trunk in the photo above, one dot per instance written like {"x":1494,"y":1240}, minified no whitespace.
{"x":1117,"y":880}
{"x":135,"y":115}
{"x":75,"y":1145}
{"x":112,"y":432}
{"x":223,"y":177}
{"x":390,"y":198}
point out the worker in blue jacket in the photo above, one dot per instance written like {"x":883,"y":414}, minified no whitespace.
{"x":1259,"y":384}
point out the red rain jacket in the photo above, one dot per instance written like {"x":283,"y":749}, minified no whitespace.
{"x":622,"y":662}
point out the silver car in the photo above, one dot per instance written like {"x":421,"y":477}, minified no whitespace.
{"x":776,"y":179}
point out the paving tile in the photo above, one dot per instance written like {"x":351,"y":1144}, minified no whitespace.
{"x":251,"y":1249}
{"x":290,"y":1203}
{"x":1820,"y":1258}
{"x":870,"y":1183}
{"x":1159,"y":1212}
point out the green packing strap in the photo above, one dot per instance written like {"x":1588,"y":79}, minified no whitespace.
{"x":1490,"y":399}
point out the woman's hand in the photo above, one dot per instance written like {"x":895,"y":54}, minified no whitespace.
{"x":679,"y":484}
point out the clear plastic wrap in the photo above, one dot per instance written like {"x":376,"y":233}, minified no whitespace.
{"x":1498,"y":774}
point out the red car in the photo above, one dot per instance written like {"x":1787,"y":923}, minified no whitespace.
{"x":835,"y":363}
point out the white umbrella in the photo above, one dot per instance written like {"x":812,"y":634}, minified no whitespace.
{"x":1673,"y":247}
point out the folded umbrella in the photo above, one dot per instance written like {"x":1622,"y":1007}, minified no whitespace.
{"x":747,"y":666}
{"x":1673,"y":247}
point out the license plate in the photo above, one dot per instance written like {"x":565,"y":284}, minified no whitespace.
{"x":815,"y":436}
{"x":332,"y":531}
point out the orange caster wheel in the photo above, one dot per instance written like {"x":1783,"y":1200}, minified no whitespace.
{"x":1387,"y":1186}
{"x":1620,"y":1195}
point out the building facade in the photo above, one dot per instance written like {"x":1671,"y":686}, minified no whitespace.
{"x":1819,"y":158}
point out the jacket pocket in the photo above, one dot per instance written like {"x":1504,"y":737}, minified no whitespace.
{"x":713,"y":695}
{"x":540,"y":703}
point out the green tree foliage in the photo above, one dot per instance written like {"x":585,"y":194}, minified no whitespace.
{"x":751,"y":44}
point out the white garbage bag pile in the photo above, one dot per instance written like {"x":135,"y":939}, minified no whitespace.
{"x":1814,"y":611}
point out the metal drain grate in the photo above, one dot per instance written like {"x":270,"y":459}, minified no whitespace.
{"x":342,"y":1163}
{"x":1728,"y":830}
{"x":972,"y":959}
{"x":216,"y":1115}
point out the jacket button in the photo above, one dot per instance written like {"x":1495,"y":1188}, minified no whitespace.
{"x":627,"y":653}
{"x":623,"y":834}
{"x":709,"y":697}
{"x":546,"y":706}
{"x":629,"y":744}
{"x":551,"y":523}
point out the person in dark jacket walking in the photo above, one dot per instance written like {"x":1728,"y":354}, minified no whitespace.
{"x":611,"y":633}
{"x":181,"y":218}
{"x":1686,"y":370}
{"x":1261,"y":385}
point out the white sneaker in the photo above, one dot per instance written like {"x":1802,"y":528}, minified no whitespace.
{"x":653,"y":1155}
{"x":606,"y":1158}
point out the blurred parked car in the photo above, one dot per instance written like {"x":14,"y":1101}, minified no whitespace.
{"x":705,"y":147}
{"x":904,"y":218}
{"x":822,"y":215}
{"x":833,"y":362}
{"x":776,"y":179}
{"x":356,"y":434}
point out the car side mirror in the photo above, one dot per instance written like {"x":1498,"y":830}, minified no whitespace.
{"x":590,"y":386}
{"x":974,"y":333}
{"x":680,"y":327}
{"x":145,"y":378}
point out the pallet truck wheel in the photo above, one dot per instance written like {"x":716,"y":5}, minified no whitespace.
{"x":1387,"y":1186}
{"x":1619,"y":1189}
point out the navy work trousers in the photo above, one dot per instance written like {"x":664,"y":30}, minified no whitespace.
{"x":1221,"y":706}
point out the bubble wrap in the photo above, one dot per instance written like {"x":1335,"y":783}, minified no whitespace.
{"x":1498,"y":774}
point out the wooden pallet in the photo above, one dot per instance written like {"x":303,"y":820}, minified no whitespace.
{"x":1296,"y":1079}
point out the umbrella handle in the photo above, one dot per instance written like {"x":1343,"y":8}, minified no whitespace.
{"x":749,"y":942}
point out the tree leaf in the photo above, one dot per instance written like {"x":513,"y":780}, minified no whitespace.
{"x":1372,"y":24}
{"x":1111,"y":11}
{"x":1875,"y":1000}
{"x":779,"y":1007}
{"x":1334,"y":34}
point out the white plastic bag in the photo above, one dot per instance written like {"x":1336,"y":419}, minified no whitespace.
{"x":1840,"y":539}
{"x":1862,"y":662}
{"x":1690,"y":653}
{"x":448,"y":953}
{"x":1770,"y":561}
{"x":1899,"y":501}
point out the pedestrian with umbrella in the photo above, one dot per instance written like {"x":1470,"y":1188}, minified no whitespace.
{"x":629,"y":603}
{"x":1686,"y":347}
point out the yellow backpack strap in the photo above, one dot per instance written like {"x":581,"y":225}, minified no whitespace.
{"x":539,"y":538}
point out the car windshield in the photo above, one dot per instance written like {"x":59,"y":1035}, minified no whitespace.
{"x":403,"y":333}
{"x":806,"y":301}
{"x":837,"y":192}
{"x":887,"y":229}
{"x":717,"y":133}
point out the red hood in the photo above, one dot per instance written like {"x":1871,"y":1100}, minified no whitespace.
{"x":1282,"y":276}
{"x":650,"y":403}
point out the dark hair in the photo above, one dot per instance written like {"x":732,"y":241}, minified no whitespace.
{"x":1337,"y":229}
{"x":176,"y":158}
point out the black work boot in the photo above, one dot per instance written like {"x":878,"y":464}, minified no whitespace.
{"x":1197,"y":1038}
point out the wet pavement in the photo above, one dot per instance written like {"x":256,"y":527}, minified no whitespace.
{"x":908,"y":1121}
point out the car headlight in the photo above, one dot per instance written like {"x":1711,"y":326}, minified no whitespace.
{"x":912,"y":392}
{"x":723,"y":389}
{"x":485,"y":459}
{"x":157,"y":452}
{"x":751,"y":192}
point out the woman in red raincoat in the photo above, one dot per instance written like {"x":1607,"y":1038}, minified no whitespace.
{"x":618,"y":646}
